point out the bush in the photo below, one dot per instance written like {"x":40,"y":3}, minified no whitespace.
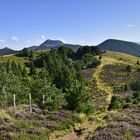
{"x":78,"y":98}
{"x":128,"y":68}
{"x":137,"y":95}
{"x":129,"y":99}
{"x":136,"y":85}
{"x":126,"y":106}
{"x":115,"y":103}
{"x":126,"y":87}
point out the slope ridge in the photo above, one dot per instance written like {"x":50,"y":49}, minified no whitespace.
{"x":121,"y":46}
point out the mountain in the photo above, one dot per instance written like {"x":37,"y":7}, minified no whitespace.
{"x":74,"y":47}
{"x":121,"y":46}
{"x":48,"y":44}
{"x":7,"y":51}
{"x":33,"y":47}
{"x":138,"y":43}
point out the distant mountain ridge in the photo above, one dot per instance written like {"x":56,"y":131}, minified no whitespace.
{"x":48,"y":44}
{"x":109,"y":45}
{"x":7,"y":51}
{"x":121,"y":46}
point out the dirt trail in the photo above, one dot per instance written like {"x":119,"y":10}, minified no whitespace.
{"x":101,"y":85}
{"x":91,"y":126}
{"x":70,"y":136}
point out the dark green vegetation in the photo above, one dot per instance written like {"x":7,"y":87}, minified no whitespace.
{"x":99,"y":102}
{"x":55,"y":75}
{"x":121,"y":46}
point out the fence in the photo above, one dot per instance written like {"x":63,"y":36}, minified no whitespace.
{"x":30,"y":103}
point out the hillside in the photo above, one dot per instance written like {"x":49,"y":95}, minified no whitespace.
{"x":7,"y":51}
{"x":110,"y":78}
{"x":121,"y":46}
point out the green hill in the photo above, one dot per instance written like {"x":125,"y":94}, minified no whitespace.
{"x":7,"y":51}
{"x":104,"y":87}
{"x":121,"y":46}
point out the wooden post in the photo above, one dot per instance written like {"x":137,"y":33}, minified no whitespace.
{"x":14,"y":103}
{"x":43,"y":99}
{"x":30,"y":100}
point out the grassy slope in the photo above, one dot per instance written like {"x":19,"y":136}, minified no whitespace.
{"x":97,"y":121}
{"x":20,"y":60}
{"x":122,"y":57}
{"x":111,"y":58}
{"x":115,"y":121}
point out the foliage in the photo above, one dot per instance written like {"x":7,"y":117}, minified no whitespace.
{"x":79,"y":97}
{"x":88,"y":50}
{"x":54,"y":98}
{"x":115,"y":103}
{"x":136,"y":85}
{"x":65,"y":51}
{"x":26,"y":53}
{"x":128,"y":68}
{"x":54,"y":79}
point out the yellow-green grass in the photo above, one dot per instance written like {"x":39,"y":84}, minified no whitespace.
{"x":20,"y":60}
{"x":121,"y":57}
{"x":111,"y":58}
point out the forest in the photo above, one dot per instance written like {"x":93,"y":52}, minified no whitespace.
{"x":55,"y":75}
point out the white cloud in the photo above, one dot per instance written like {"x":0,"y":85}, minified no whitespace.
{"x":130,"y":25}
{"x":2,"y":42}
{"x":42,"y":37}
{"x":14,"y":38}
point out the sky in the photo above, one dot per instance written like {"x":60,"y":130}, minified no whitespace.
{"x":24,"y":23}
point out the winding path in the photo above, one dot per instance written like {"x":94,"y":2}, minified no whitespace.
{"x":101,"y":85}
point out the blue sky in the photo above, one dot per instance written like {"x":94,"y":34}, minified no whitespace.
{"x":28,"y":22}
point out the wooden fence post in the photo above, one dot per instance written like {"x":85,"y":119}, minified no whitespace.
{"x":43,"y":99}
{"x":30,"y":100}
{"x":14,"y":103}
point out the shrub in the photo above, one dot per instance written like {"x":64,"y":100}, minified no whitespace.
{"x":78,"y":98}
{"x":136,"y":85}
{"x":128,"y":68}
{"x":129,"y":99}
{"x":115,"y":103}
{"x":125,"y":87}
{"x":126,"y":106}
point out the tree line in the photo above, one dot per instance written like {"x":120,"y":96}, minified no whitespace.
{"x":56,"y":75}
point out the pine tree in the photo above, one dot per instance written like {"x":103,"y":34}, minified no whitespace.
{"x":32,"y":54}
{"x":24,"y":72}
{"x":32,"y":69}
{"x":138,"y":62}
